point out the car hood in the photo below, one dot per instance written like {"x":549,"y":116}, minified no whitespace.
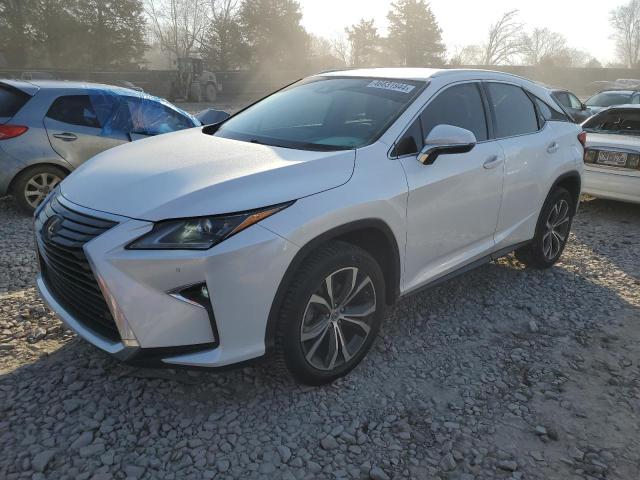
{"x":596,"y":109}
{"x":190,"y":174}
{"x":626,"y":142}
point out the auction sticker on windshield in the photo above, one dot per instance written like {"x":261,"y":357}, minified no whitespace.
{"x":395,"y":86}
{"x":616,"y":159}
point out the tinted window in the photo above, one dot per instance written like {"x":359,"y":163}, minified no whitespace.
{"x":563,"y":99}
{"x":609,"y":99}
{"x":460,"y":106}
{"x":549,"y":113}
{"x":411,"y":142}
{"x":324,"y":113}
{"x":11,"y":100}
{"x":514,"y":110}
{"x":76,"y":110}
{"x":615,"y":121}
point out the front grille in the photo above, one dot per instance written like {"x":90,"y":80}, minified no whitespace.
{"x":65,"y":267}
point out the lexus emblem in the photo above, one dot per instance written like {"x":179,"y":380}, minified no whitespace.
{"x":51,"y":227}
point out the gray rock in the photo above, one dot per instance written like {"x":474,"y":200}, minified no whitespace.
{"x":83,"y":440}
{"x":223,"y":465}
{"x":329,"y":443}
{"x":284,"y":452}
{"x":376,"y":473}
{"x":508,"y":465}
{"x":42,"y":459}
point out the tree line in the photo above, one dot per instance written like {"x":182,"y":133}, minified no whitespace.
{"x":96,"y":34}
{"x":254,"y":34}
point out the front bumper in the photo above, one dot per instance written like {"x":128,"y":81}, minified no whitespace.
{"x":242,"y":275}
{"x":612,"y":184}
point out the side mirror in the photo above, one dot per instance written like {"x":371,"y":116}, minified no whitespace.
{"x":583,"y":107}
{"x":446,"y":139}
{"x":211,"y":116}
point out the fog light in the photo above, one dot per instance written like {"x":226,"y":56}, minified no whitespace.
{"x":590,"y":156}
{"x":197,"y":294}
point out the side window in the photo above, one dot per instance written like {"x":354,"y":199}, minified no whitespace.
{"x":75,"y":110}
{"x":563,"y":99}
{"x":514,"y":110}
{"x":635,"y":99}
{"x":575,"y":103}
{"x":460,"y":106}
{"x":411,"y":142}
{"x":149,"y":117}
{"x":549,"y":113}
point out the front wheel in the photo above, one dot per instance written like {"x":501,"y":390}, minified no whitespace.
{"x":34,"y":184}
{"x":552,"y":231}
{"x":331,"y":314}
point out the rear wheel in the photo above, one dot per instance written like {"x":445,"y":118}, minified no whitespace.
{"x":331,"y":314}
{"x":34,"y":184}
{"x":552,"y":231}
{"x":211,"y":92}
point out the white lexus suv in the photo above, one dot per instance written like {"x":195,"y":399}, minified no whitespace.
{"x":286,"y":230}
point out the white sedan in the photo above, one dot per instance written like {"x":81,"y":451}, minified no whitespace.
{"x":612,"y":157}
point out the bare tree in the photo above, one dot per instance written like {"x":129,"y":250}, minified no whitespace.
{"x":503,"y":40}
{"x":625,"y":21}
{"x":542,"y":44}
{"x":178,"y":25}
{"x":467,"y":55}
{"x":341,"y":48}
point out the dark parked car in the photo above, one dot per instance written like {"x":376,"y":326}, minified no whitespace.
{"x":571,"y":104}
{"x":613,"y":97}
{"x":48,"y":128}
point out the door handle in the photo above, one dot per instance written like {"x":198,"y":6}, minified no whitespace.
{"x":553,"y":148}
{"x":492,"y":162}
{"x":67,"y":137}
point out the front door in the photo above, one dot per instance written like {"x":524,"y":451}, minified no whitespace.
{"x":453,"y":204}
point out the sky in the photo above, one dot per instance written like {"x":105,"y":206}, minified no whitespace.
{"x":585,"y":24}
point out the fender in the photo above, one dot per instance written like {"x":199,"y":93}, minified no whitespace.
{"x":392,"y":284}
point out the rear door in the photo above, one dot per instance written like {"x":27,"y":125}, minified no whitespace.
{"x":529,"y":146}
{"x":77,"y":126}
{"x":11,"y":101}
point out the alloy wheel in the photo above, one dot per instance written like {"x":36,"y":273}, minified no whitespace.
{"x":557,"y":230}
{"x":39,"y":186}
{"x":338,"y":319}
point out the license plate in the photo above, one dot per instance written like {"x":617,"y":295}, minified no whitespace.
{"x":617,"y":159}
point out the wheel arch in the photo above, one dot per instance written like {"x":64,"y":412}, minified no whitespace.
{"x":571,"y":181}
{"x":32,"y":166}
{"x":372,"y":235}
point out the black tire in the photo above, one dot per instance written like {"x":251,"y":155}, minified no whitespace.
{"x":19,"y":189}
{"x":537,"y":254}
{"x":340,"y":260}
{"x":211,"y":92}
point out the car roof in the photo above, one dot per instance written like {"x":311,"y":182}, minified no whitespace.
{"x":422,"y":73}
{"x":626,"y":106}
{"x":32,"y":86}
{"x":619,"y":90}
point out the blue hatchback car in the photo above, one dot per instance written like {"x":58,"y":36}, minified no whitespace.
{"x":49,"y":127}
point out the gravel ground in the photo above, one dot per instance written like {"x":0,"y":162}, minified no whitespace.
{"x":503,"y":373}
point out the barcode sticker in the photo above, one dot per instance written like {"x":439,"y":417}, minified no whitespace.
{"x":395,"y":86}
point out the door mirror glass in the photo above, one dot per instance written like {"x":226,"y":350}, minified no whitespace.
{"x":446,"y":139}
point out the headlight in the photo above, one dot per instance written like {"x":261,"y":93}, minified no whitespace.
{"x":200,"y":233}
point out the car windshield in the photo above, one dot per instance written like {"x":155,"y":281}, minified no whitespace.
{"x":615,"y":121}
{"x":324,"y":113}
{"x":609,"y":99}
